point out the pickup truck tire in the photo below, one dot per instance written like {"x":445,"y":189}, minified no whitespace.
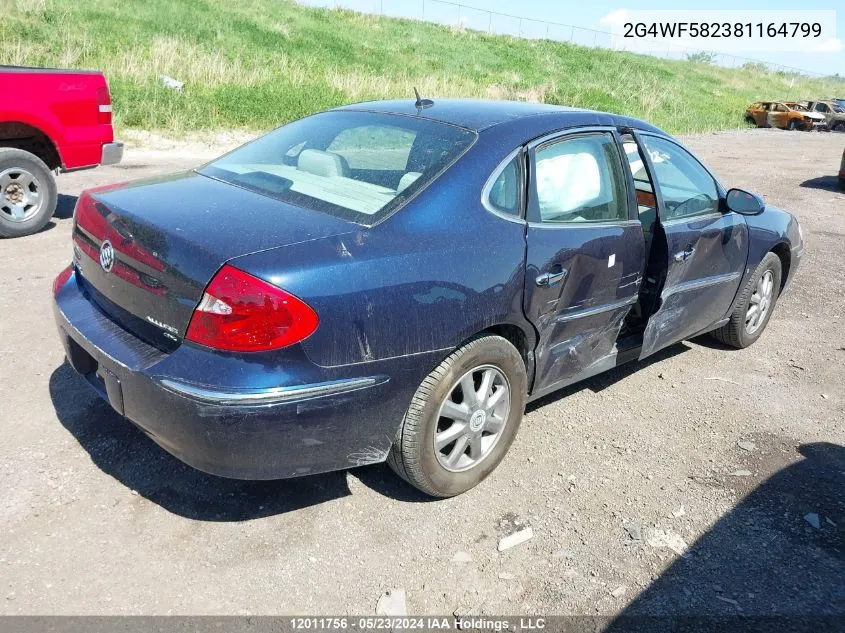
{"x":475,"y":433}
{"x":27,"y":193}
{"x":764,"y":284}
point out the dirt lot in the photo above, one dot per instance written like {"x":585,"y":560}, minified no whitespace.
{"x":95,"y":518}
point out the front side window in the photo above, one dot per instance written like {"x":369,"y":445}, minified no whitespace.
{"x":359,"y":166}
{"x":687,"y":188}
{"x":646,"y":200}
{"x":580,"y":180}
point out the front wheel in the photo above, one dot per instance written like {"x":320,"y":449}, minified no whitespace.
{"x":462,"y":419}
{"x":793,"y":125}
{"x":27,"y":193}
{"x":754,"y":308}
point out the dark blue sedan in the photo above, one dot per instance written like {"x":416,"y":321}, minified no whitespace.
{"x":395,"y":280}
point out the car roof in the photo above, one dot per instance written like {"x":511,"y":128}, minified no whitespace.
{"x":482,"y":114}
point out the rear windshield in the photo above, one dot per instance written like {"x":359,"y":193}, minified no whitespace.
{"x":359,"y":166}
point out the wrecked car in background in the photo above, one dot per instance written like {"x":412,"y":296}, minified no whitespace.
{"x":786,"y":115}
{"x":395,"y":280}
{"x":833,"y":113}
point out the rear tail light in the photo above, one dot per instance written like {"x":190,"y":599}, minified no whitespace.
{"x":103,"y":106}
{"x":241,"y":313}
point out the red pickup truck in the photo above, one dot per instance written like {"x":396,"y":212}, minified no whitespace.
{"x":51,"y":120}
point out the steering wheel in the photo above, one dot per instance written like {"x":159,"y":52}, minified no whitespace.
{"x":690,"y":206}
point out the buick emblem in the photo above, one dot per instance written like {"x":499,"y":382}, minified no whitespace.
{"x":107,"y":256}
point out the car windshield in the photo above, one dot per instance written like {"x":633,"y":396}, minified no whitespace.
{"x":797,"y":106}
{"x":359,"y":166}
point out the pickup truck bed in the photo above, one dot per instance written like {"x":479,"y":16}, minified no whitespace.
{"x":51,"y":120}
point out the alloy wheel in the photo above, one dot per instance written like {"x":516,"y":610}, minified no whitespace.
{"x":760,"y":302}
{"x":472,"y":418}
{"x":20,"y":194}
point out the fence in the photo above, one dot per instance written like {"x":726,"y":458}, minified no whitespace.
{"x":494,"y":22}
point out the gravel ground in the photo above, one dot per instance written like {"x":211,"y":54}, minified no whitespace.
{"x":639,"y":485}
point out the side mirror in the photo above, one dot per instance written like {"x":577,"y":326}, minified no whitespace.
{"x":744,"y":202}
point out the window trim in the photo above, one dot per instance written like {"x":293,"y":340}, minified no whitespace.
{"x":563,"y":136}
{"x":494,"y":176}
{"x":661,"y":208}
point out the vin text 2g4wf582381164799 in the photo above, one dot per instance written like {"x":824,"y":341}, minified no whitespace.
{"x":394,"y":280}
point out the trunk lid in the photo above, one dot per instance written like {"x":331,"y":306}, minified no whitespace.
{"x":168,"y":236}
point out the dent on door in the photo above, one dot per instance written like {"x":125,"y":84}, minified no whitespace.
{"x":706,"y":259}
{"x":579,"y":318}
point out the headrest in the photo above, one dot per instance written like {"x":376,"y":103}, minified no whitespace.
{"x":321,"y":163}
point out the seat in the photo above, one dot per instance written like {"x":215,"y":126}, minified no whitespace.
{"x":320,"y":163}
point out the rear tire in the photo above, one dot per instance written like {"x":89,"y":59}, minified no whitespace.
{"x":446,"y":469}
{"x":27,"y":193}
{"x":739,"y":332}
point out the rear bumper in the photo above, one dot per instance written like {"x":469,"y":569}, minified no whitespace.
{"x":111,"y":154}
{"x":319,"y":422}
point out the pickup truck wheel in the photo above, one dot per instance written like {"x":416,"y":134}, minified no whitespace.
{"x":462,"y":419}
{"x":755,"y":305}
{"x":27,"y":193}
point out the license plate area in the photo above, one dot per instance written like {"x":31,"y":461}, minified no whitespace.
{"x":105,"y":383}
{"x":81,"y":361}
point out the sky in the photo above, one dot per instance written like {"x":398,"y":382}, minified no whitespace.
{"x":595,"y":15}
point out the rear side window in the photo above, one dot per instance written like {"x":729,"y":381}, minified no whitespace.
{"x":359,"y":166}
{"x":504,"y":194}
{"x":580,"y":180}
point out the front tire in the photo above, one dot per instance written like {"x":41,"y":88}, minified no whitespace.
{"x":793,"y":125}
{"x":27,"y":193}
{"x":754,"y":308}
{"x":462,"y":419}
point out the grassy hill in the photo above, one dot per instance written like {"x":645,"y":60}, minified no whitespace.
{"x":259,"y":63}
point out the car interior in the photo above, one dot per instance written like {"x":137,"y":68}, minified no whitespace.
{"x":361,"y":168}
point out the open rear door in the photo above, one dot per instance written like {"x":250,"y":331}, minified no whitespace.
{"x":706,"y":246}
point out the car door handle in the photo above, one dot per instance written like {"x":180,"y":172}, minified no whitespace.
{"x":684,"y":255}
{"x":551,"y":279}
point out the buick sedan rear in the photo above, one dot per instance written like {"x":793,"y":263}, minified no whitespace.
{"x":390,"y":281}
